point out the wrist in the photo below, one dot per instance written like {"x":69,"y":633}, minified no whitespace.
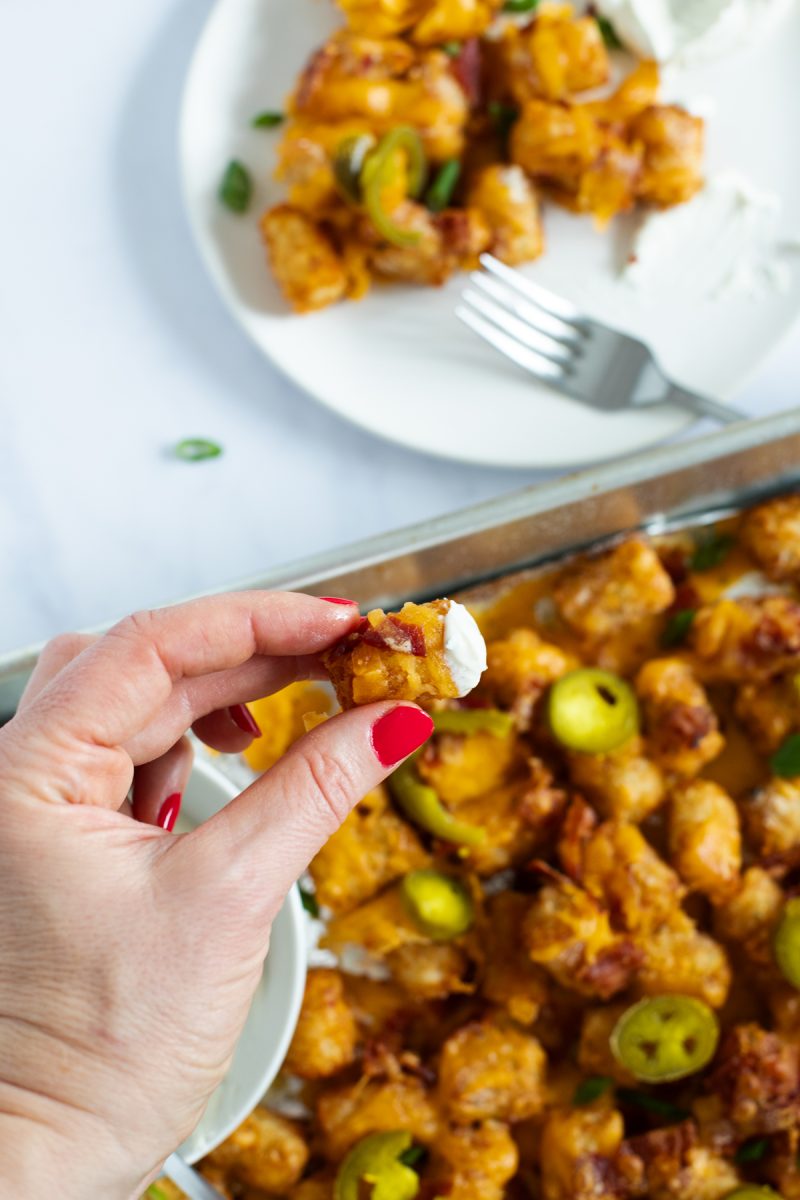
{"x":38,"y":1160}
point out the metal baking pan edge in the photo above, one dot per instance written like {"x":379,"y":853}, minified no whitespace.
{"x":673,"y":484}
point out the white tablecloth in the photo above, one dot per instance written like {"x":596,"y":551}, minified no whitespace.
{"x":113,"y":346}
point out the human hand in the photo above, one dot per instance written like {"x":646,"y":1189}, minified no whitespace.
{"x":129,"y":955}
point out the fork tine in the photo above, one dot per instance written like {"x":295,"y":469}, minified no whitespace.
{"x":548,"y":347}
{"x":566,"y":336}
{"x":529,"y":360}
{"x":552,"y":304}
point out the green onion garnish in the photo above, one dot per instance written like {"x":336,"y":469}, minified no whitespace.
{"x":309,"y":901}
{"x":752,"y":1151}
{"x":440,"y":193}
{"x":412,"y":1155}
{"x":651,"y":1104}
{"x":677,"y":627}
{"x":711,"y":550}
{"x":197,"y":450}
{"x":786,"y":759}
{"x":591,"y":1089}
{"x":609,"y":33}
{"x":268,"y":119}
{"x":520,"y":6}
{"x":503,"y":115}
{"x":452,"y":48}
{"x":236,"y":187}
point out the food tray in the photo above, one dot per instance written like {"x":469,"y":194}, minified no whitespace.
{"x":677,"y":485}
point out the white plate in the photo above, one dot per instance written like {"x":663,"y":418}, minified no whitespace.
{"x":399,"y":363}
{"x":273,"y":1014}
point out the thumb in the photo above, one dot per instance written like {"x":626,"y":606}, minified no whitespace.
{"x":274,"y":828}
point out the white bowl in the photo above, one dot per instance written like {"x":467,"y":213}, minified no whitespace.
{"x":276,"y":1004}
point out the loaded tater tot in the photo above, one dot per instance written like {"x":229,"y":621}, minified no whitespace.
{"x":771,"y":533}
{"x":425,"y":652}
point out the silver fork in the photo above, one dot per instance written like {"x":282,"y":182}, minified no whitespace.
{"x":584,"y":359}
{"x":188,"y":1180}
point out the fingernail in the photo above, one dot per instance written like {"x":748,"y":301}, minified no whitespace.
{"x":240,"y":715}
{"x":399,"y":732}
{"x":168,"y":813}
{"x":339,"y":600}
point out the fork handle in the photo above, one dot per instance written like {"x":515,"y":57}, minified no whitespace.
{"x":705,"y":407}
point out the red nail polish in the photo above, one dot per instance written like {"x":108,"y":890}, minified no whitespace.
{"x":168,"y":813}
{"x":399,"y":732}
{"x":240,"y":715}
{"x":339,"y":600}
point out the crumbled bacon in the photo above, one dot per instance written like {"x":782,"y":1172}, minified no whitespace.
{"x":395,"y":634}
{"x":685,"y":725}
{"x":467,"y":70}
{"x":758,"y":1081}
{"x":612,"y":969}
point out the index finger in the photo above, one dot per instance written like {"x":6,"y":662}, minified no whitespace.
{"x":117,"y":686}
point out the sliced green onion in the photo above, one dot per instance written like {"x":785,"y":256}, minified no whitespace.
{"x":440,"y":193}
{"x":309,"y":901}
{"x":752,"y":1151}
{"x":591,"y":1089}
{"x":453,"y":49}
{"x":711,"y":551}
{"x":503,"y":116}
{"x":785,"y":762}
{"x":678,"y":627}
{"x":268,"y":119}
{"x":154,"y":1192}
{"x":412,"y":1155}
{"x":520,"y":6}
{"x":651,"y":1104}
{"x":609,"y":33}
{"x":197,"y":450}
{"x":236,"y":188}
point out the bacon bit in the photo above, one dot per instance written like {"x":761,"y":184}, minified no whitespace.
{"x":579,"y":824}
{"x":311,"y":79}
{"x":542,"y":804}
{"x":675,"y":562}
{"x":758,"y":1081}
{"x":467,"y":69}
{"x":770,"y":637}
{"x":686,"y":725}
{"x":670,"y":1144}
{"x":612,"y":970}
{"x":400,"y":636}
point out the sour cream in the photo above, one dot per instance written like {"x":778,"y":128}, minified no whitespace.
{"x":464,"y":648}
{"x":688,"y":29}
{"x":721,"y":244}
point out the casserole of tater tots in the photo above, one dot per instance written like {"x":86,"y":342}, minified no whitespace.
{"x":563,"y":943}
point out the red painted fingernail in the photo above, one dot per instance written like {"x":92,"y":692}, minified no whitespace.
{"x":240,"y":715}
{"x":399,"y":732}
{"x":339,"y":600}
{"x":168,"y":813}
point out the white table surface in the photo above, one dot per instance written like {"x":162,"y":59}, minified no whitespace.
{"x":113,"y":346}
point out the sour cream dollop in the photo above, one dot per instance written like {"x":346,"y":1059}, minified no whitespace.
{"x":464,"y":648}
{"x":691,"y":29}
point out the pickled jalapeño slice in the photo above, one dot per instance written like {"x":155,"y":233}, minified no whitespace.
{"x":439,"y":904}
{"x":786,"y":944}
{"x":592,"y":711}
{"x":665,"y":1037}
{"x":373,"y":1168}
